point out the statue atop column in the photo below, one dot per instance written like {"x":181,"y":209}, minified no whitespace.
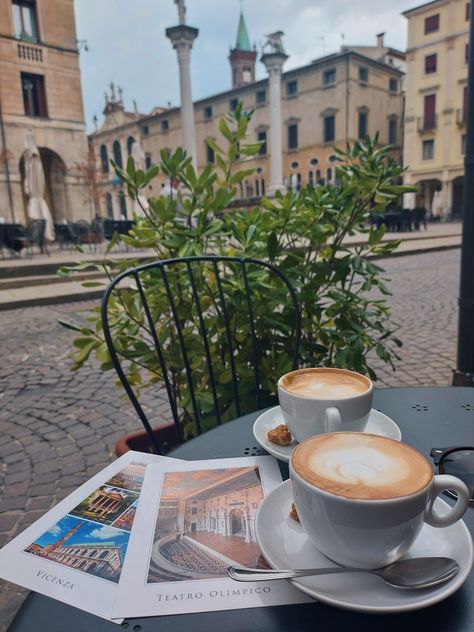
{"x":274,"y":44}
{"x":181,"y":11}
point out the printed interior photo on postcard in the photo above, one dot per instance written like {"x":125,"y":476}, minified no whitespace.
{"x":205,"y":523}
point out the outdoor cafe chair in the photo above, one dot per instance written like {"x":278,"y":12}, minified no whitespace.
{"x":34,"y":236}
{"x":222,"y":328}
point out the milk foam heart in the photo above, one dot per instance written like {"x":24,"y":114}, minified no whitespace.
{"x":361,"y":466}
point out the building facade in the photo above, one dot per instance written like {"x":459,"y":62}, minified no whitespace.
{"x":325,"y":103}
{"x":40,"y":89}
{"x":436,"y":98}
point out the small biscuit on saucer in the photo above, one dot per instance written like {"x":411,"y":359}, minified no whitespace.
{"x":294,"y":513}
{"x":280,"y":435}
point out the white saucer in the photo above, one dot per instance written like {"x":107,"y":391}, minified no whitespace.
{"x":378,"y":424}
{"x":285,"y":545}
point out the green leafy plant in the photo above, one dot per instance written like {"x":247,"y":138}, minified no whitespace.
{"x":306,"y":234}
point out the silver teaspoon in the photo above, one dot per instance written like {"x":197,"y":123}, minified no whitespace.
{"x":410,"y":574}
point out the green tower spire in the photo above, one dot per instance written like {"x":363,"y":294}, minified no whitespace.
{"x":243,"y":40}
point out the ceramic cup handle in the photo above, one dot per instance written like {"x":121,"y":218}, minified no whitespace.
{"x":333,"y":420}
{"x":440,"y":483}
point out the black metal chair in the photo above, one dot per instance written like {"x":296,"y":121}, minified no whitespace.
{"x":218,"y":333}
{"x":35,"y":236}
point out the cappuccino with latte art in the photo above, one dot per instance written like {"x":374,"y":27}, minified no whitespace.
{"x":361,"y":466}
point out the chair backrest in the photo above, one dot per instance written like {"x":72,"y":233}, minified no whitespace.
{"x":216,"y":332}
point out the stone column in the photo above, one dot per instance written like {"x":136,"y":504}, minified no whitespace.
{"x":274,"y":63}
{"x":182,"y":38}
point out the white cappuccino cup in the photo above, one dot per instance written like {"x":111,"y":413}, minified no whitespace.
{"x":318,"y":400}
{"x":362,"y":499}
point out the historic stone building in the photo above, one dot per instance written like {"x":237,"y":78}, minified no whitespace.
{"x":347,"y":95}
{"x":103,"y":559}
{"x":436,"y":100}
{"x":40,"y":89}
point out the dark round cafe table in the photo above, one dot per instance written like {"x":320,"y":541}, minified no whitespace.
{"x":428,"y":417}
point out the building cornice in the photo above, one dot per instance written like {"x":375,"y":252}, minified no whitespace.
{"x":440,"y":40}
{"x":423,"y":8}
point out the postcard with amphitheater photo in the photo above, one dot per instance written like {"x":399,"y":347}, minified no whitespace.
{"x":203,"y":520}
{"x":75,"y":552}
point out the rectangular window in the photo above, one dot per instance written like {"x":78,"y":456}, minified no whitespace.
{"x":393,"y":84}
{"x":329,"y":128}
{"x":145,"y":130}
{"x":233,"y":104}
{"x":24,"y":20}
{"x":329,"y":77}
{"x":432,"y":24}
{"x":293,"y":136}
{"x":392,"y":130}
{"x":468,"y":11}
{"x":208,"y":113}
{"x":261,"y":97}
{"x":148,"y":161}
{"x":362,"y":125}
{"x":34,"y":95}
{"x":431,"y":63}
{"x":165,"y":125}
{"x":428,"y":149}
{"x":363,"y":74}
{"x":209,"y":154}
{"x":262,"y":138}
{"x":292,"y":88}
{"x":429,"y":111}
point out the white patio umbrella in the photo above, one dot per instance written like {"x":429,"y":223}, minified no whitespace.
{"x":34,"y":185}
{"x":138,"y":156}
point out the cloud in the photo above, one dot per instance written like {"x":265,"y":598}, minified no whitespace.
{"x":103,"y":533}
{"x":56,"y":530}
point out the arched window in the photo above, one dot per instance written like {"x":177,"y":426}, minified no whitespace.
{"x":117,"y":153}
{"x":262,"y":185}
{"x":310,"y":178}
{"x":110,"y":206}
{"x":257,"y":188}
{"x":104,"y":158}
{"x":130,"y":141}
{"x":329,"y":175}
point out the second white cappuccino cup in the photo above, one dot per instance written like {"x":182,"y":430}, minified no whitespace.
{"x":319,"y":400}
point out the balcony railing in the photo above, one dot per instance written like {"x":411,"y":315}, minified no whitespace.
{"x":461,"y":117}
{"x":425,"y":124}
{"x":30,"y":53}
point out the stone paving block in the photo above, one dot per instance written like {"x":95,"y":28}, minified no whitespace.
{"x":11,"y":503}
{"x":8,"y":520}
{"x":16,"y":489}
{"x":41,"y":503}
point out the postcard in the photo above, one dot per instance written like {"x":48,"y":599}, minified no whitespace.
{"x":194,"y":520}
{"x":76,"y":551}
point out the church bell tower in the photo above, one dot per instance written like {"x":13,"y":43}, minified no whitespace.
{"x":242,"y":57}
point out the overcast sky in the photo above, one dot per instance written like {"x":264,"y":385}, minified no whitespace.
{"x":127,"y":43}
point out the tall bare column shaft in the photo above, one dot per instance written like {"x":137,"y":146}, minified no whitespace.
{"x":274,"y":63}
{"x":182,"y":38}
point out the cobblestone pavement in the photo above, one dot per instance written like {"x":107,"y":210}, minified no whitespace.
{"x":58,"y":428}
